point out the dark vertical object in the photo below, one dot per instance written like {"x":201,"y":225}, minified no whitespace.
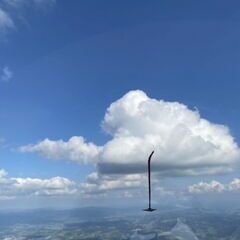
{"x":149,"y":209}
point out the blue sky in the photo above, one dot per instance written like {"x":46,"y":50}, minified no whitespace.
{"x":70,"y":60}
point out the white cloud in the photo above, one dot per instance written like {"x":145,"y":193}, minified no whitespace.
{"x":121,"y":186}
{"x":17,"y":4}
{"x":203,"y":187}
{"x":52,"y":186}
{"x":130,"y":186}
{"x":14,"y":3}
{"x":234,"y":185}
{"x":76,"y":149}
{"x":3,"y":173}
{"x":11,"y":10}
{"x":97,"y":183}
{"x":215,"y":187}
{"x":6,"y":75}
{"x":14,"y":187}
{"x":182,"y":139}
{"x":184,"y":143}
{"x":6,"y":21}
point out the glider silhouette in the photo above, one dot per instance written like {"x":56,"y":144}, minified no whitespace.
{"x":149,"y":209}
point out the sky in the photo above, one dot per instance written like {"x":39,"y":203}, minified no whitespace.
{"x":89,"y":88}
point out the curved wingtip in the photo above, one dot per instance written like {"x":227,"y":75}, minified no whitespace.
{"x":151,"y":155}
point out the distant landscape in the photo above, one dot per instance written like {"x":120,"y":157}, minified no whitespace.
{"x":109,"y":223}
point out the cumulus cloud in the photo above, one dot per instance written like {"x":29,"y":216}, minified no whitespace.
{"x":3,"y":173}
{"x":13,"y":187}
{"x":182,"y":139}
{"x":75,"y":149}
{"x":6,"y":75}
{"x":184,"y":143}
{"x":234,"y":185}
{"x":121,"y":186}
{"x":97,"y":183}
{"x":204,"y":187}
{"x":215,"y":187}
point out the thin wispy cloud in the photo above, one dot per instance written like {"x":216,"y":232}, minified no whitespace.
{"x":6,"y":74}
{"x":23,"y":3}
{"x":6,"y":22}
{"x":2,"y":140}
{"x":11,"y":9}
